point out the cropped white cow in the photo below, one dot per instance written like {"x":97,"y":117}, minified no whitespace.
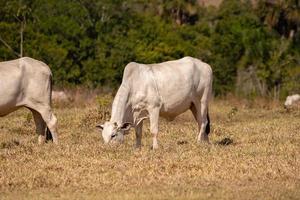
{"x":292,"y":99}
{"x":26,"y":82}
{"x":166,"y":89}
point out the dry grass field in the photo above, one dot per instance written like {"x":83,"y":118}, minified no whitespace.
{"x":254,"y":154}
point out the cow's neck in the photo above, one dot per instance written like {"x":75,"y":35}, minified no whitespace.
{"x":119,"y":106}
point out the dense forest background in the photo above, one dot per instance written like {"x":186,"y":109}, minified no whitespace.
{"x":252,"y":46}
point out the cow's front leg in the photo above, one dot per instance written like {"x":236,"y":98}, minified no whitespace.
{"x":154,"y":116}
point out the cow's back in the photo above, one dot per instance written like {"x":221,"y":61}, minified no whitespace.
{"x":23,"y":80}
{"x":28,"y":67}
{"x":35,"y":66}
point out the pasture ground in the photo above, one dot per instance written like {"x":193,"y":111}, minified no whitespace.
{"x":254,"y":154}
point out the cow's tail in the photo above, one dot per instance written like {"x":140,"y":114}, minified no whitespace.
{"x":207,"y":129}
{"x":48,"y":132}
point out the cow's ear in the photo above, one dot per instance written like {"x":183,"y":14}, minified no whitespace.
{"x":100,"y":126}
{"x":125,"y":126}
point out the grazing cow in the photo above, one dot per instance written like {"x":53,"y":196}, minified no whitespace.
{"x":26,"y":82}
{"x":292,"y":99}
{"x":165,"y":89}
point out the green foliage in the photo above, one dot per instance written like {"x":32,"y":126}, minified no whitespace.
{"x":90,"y":42}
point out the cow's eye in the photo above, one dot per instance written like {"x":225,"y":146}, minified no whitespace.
{"x":113,"y":135}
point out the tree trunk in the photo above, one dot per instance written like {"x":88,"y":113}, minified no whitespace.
{"x":22,"y":36}
{"x":21,"y":42}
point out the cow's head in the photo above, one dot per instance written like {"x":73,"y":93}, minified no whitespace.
{"x":112,"y":132}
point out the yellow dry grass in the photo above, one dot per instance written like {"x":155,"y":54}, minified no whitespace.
{"x":262,"y":162}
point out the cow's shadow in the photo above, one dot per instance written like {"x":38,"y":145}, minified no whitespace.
{"x":225,"y":141}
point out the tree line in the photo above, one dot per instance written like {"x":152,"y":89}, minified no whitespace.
{"x":252,"y":46}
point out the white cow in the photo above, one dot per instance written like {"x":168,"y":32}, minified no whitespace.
{"x":165,"y":89}
{"x":26,"y":82}
{"x":292,"y":99}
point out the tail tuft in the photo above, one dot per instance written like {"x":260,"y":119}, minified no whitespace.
{"x":48,"y":135}
{"x":207,"y":129}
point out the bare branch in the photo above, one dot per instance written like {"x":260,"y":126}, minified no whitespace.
{"x":9,"y":47}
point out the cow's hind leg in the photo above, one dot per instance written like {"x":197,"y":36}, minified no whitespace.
{"x":200,"y":112}
{"x":40,"y":126}
{"x":50,"y":120}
